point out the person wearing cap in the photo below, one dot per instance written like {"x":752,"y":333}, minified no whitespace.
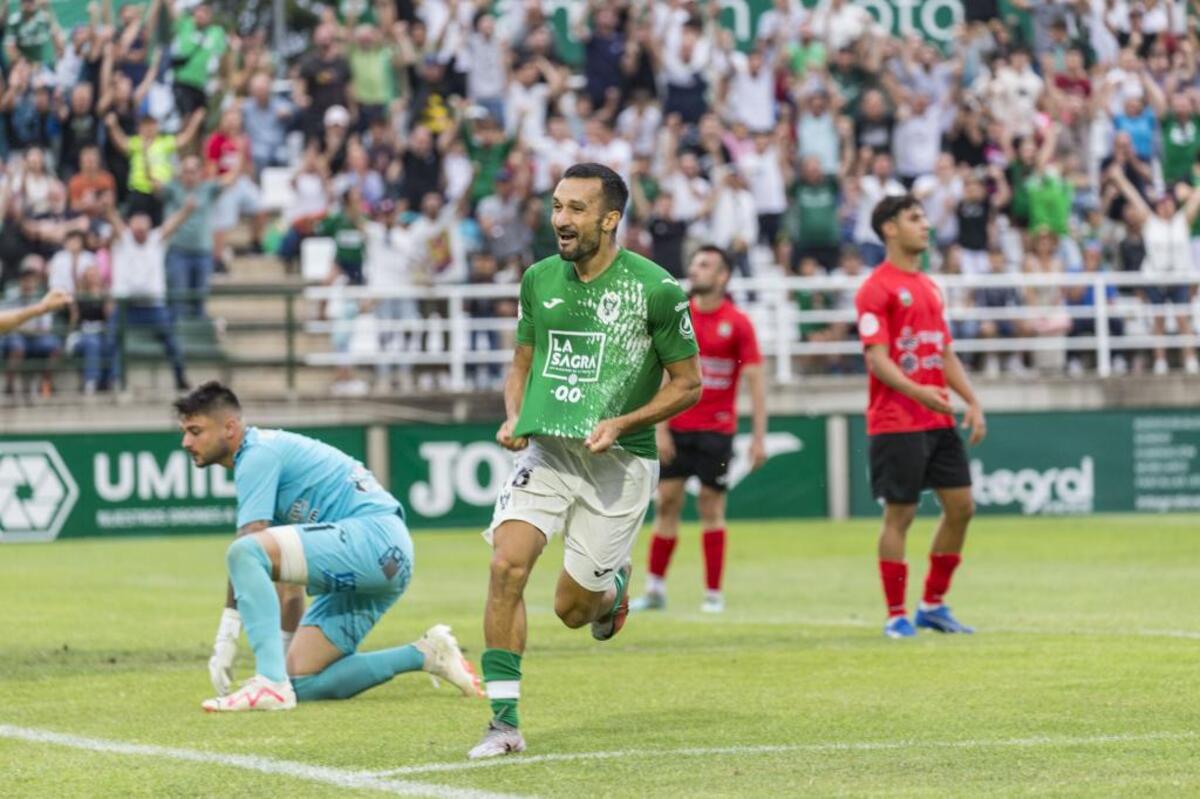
{"x":1166,"y":230}
{"x":151,"y":159}
{"x":33,"y":336}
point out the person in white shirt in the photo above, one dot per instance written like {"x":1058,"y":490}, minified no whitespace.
{"x":734,"y":218}
{"x":686,"y":57}
{"x":939,"y":193}
{"x":552,"y":154}
{"x":639,"y":123}
{"x":389,"y":258}
{"x":535,"y":85}
{"x":917,"y":140}
{"x":602,"y":147}
{"x":766,"y":170}
{"x":691,"y":194}
{"x":139,"y":282}
{"x":67,"y":265}
{"x":1166,"y":234}
{"x":841,"y":23}
{"x":750,"y":88}
{"x":880,"y":182}
{"x":437,"y":251}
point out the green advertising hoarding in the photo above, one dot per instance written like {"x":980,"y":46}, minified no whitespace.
{"x":449,"y":476}
{"x":84,"y":484}
{"x":1069,"y":463}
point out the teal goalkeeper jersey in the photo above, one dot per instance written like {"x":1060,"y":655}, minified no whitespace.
{"x":599,"y":348}
{"x":287,"y":478}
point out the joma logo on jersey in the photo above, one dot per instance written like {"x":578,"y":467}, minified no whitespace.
{"x":574,"y":357}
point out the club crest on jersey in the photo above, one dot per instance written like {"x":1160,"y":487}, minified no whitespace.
{"x":685,"y":326}
{"x":724,"y":329}
{"x":609,"y":307}
{"x":905,"y":297}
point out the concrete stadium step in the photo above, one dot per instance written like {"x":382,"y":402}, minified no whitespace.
{"x":270,"y":344}
{"x":253,"y":308}
{"x":257,"y":269}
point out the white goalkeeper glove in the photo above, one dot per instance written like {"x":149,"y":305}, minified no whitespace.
{"x":220,"y":665}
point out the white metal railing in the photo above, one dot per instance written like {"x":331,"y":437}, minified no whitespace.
{"x":447,"y":336}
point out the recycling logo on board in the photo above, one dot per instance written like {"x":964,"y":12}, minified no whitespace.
{"x":37,"y":491}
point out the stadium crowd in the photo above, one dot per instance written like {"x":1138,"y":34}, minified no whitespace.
{"x":425,"y":136}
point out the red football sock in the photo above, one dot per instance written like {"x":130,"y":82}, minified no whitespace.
{"x":937,"y":583}
{"x":894,"y":574}
{"x":660,"y":555}
{"x":714,"y":558}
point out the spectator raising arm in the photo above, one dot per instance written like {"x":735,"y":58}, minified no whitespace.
{"x":186,"y":136}
{"x":172,"y":222}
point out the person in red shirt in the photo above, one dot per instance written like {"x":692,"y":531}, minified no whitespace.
{"x":913,"y":443}
{"x":699,"y":441}
{"x":228,"y":150}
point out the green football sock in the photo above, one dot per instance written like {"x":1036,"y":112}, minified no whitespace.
{"x":502,"y":673}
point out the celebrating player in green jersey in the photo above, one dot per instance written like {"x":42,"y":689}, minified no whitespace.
{"x":596,"y":328}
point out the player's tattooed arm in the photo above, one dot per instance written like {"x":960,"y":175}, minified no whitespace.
{"x":680,"y":392}
{"x":244,"y":530}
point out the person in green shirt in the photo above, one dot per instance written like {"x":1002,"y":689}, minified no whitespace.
{"x":32,"y":33}
{"x":488,"y":148}
{"x":151,"y":157}
{"x":1050,"y":199}
{"x":1180,"y":139}
{"x":811,"y":220}
{"x":346,"y":226}
{"x":370,"y":75}
{"x":198,"y":46}
{"x":189,"y":261}
{"x":597,"y":329}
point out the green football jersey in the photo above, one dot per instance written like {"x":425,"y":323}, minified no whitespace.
{"x":599,"y":347}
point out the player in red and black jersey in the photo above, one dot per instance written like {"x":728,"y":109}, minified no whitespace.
{"x":913,"y":443}
{"x":699,"y":441}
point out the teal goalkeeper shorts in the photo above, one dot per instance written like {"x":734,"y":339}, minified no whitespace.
{"x":357,"y":569}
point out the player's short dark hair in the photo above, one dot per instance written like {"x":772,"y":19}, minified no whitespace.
{"x":206,"y":399}
{"x":888,"y":209}
{"x":616,"y":193}
{"x":717,"y":251}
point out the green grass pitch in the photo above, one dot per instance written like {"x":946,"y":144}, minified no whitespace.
{"x":1081,"y":682}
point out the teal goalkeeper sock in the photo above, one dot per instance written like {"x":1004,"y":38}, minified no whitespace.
{"x":258,"y":604}
{"x":502,"y":673}
{"x":354,"y":674}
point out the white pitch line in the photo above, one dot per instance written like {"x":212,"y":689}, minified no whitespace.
{"x":343,"y":778}
{"x":767,"y":749}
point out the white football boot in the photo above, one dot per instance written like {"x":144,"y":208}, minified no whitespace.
{"x":500,"y":739}
{"x":444,"y":659}
{"x":257,"y":693}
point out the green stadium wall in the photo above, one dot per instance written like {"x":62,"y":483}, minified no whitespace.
{"x":67,"y":485}
{"x":1068,"y":463}
{"x":131,"y":483}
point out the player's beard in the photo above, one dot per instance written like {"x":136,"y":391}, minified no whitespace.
{"x":583,"y":247}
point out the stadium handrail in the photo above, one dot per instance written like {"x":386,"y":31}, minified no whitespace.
{"x":771,"y":304}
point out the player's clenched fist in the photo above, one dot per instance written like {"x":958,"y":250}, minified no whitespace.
{"x":603,"y":436}
{"x":55,"y":300}
{"x":505,"y":438}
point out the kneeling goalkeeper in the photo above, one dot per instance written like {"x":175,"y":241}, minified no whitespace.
{"x":308,"y":515}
